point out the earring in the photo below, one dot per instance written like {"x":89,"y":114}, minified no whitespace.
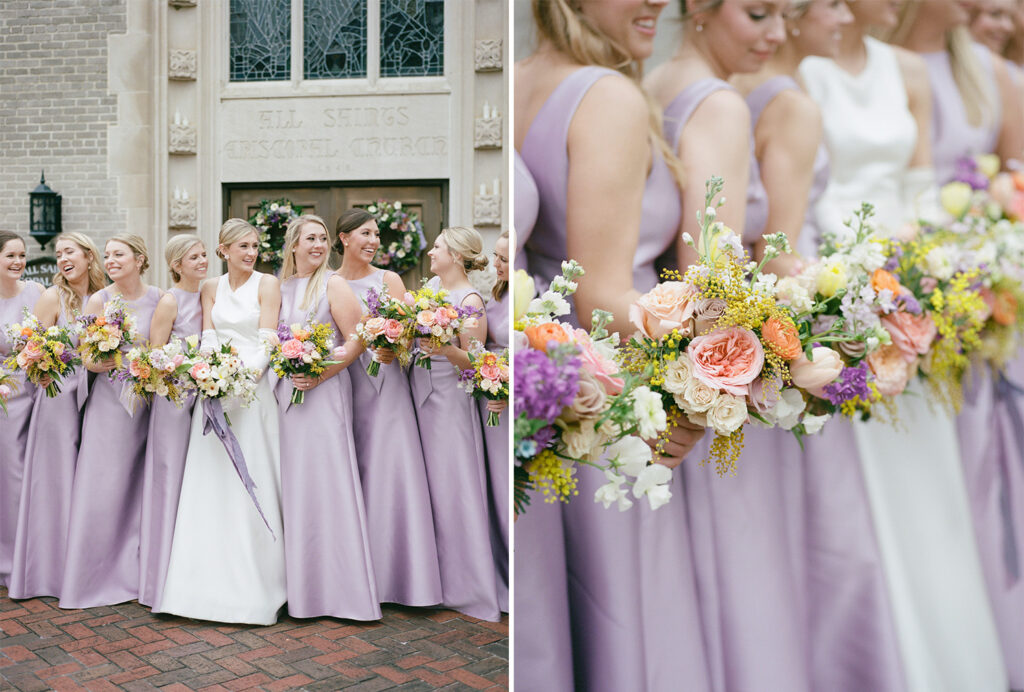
{"x":795,"y":32}
{"x":700,"y":28}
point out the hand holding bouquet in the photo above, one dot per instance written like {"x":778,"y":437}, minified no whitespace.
{"x":44,"y":355}
{"x":302,"y":350}
{"x":161,"y":371}
{"x":221,"y":374}
{"x":108,"y":336}
{"x":486,"y":378}
{"x":436,"y":321}
{"x":386,"y":324}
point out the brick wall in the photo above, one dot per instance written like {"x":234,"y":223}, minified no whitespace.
{"x":55,"y":109}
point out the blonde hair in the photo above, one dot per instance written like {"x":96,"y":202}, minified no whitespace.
{"x":316,"y":279}
{"x":136,"y":244}
{"x":574,"y":35}
{"x":975,"y":86}
{"x":500,"y":287}
{"x":71,"y":302}
{"x":177,"y":248}
{"x":232,"y":231}
{"x":467,"y":244}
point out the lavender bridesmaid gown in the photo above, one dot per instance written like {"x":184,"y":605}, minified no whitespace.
{"x":745,"y":527}
{"x":988,"y":428}
{"x":633,"y":602}
{"x":853,"y":643}
{"x":166,"y":449}
{"x":393,"y":476}
{"x":543,"y":642}
{"x":50,"y":457}
{"x":496,"y":442}
{"x":102,"y":563}
{"x":14,"y":431}
{"x":453,"y":451}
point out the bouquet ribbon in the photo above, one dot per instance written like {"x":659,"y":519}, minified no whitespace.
{"x":1007,"y":393}
{"x":216,"y":420}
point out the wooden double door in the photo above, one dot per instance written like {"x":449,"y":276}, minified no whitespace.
{"x":429,"y":200}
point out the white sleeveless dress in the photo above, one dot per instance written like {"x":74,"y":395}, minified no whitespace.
{"x":225,"y":566}
{"x":913,"y":476}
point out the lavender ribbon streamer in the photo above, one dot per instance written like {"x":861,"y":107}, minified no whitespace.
{"x":1007,"y":392}
{"x":213,"y":413}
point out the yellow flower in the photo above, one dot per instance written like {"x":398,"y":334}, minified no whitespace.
{"x":956,"y":198}
{"x":988,"y":164}
{"x":523,"y":290}
{"x":831,"y":280}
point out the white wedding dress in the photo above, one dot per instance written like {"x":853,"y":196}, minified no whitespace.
{"x":914,"y":477}
{"x":225,"y":566}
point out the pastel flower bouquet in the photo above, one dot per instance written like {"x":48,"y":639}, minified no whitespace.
{"x":486,"y":378}
{"x":109,"y":335}
{"x":302,"y":350}
{"x":160,"y":371}
{"x":573,"y":407}
{"x":8,"y":386}
{"x":386,"y":324}
{"x":42,"y":353}
{"x":220,"y":374}
{"x":719,"y":345}
{"x":435,"y":319}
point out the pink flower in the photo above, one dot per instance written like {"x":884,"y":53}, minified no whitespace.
{"x":764,"y":396}
{"x":813,"y":375}
{"x":665,"y":307}
{"x":912,"y":334}
{"x":139,"y":369}
{"x":727,"y":359}
{"x":393,"y":330}
{"x":490,"y":372}
{"x":595,"y":362}
{"x":891,"y":369}
{"x":426,"y":318}
{"x":33,"y":351}
{"x":929,"y":284}
{"x":292,"y":349}
{"x":178,"y":360}
{"x":442,"y":317}
{"x":374,"y":327}
{"x":200,"y":371}
{"x":5,"y":392}
{"x":408,"y":299}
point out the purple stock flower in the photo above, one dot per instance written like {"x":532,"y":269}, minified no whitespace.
{"x":965,"y":170}
{"x":544,"y":385}
{"x":852,"y":382}
{"x":909,"y":303}
{"x":373,"y":301}
{"x":284,"y":332}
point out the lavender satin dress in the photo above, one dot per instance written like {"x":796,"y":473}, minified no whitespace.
{"x":53,"y":436}
{"x":496,"y":442}
{"x":989,"y":426}
{"x":328,"y":567}
{"x":632,"y":598}
{"x":14,"y":430}
{"x":102,"y":563}
{"x":394,"y":478}
{"x":525,"y":209}
{"x":166,"y":449}
{"x":852,"y":640}
{"x":744,"y":527}
{"x":453,"y":451}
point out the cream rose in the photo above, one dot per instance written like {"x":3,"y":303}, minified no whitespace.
{"x":891,"y":369}
{"x":697,"y":397}
{"x":728,"y":414}
{"x":665,"y":307}
{"x":589,"y":401}
{"x":678,"y":374}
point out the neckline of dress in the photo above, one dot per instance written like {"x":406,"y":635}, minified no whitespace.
{"x":227,"y":282}
{"x":870,"y":52}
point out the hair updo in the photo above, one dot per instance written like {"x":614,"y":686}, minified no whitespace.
{"x":136,"y":244}
{"x":232,"y":231}
{"x":177,"y":248}
{"x":349,"y":221}
{"x":467,"y":245}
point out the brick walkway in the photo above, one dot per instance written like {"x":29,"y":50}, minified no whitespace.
{"x":127,"y":647}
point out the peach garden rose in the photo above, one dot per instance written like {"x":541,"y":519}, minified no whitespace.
{"x":727,"y":359}
{"x":891,"y":369}
{"x":665,"y":307}
{"x":912,"y":334}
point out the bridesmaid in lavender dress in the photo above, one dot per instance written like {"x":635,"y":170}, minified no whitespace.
{"x":608,"y":199}
{"x":15,"y":296}
{"x":102,"y":563}
{"x":387,"y":443}
{"x":179,"y":314}
{"x":972,"y":117}
{"x":452,"y":444}
{"x":54,"y":432}
{"x":496,"y":438}
{"x":328,"y":566}
{"x":525,"y":209}
{"x":851,"y":635}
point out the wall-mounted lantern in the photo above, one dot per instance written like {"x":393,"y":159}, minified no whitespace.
{"x":44,"y":212}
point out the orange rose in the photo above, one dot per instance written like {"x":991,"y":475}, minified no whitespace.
{"x":881,"y":279}
{"x":541,"y":334}
{"x":1004,"y":308}
{"x":782,"y":337}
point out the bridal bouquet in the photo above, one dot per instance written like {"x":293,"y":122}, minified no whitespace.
{"x":220,"y":374}
{"x":486,"y":378}
{"x":302,"y":350}
{"x":109,"y":335}
{"x":162,"y":371}
{"x":386,"y":324}
{"x":572,"y":406}
{"x":42,"y":353}
{"x":433,"y":318}
{"x":8,"y":386}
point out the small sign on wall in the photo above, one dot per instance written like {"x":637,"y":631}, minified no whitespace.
{"x":41,"y":270}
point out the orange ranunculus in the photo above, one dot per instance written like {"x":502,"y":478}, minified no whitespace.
{"x":26,"y":331}
{"x":101,"y":321}
{"x":782,"y":337}
{"x":301,"y":334}
{"x":1004,"y":308}
{"x":541,"y":334}
{"x":881,"y":279}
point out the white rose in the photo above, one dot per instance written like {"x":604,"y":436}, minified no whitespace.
{"x":678,"y":374}
{"x":727,"y":414}
{"x":580,"y":441}
{"x":789,"y":292}
{"x":697,"y":397}
{"x":938,"y":264}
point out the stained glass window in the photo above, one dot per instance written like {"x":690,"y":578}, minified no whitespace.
{"x":260,"y":40}
{"x":411,"y":38}
{"x":334,"y":38}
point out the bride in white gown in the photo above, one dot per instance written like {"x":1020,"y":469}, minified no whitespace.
{"x":225,"y":565}
{"x":914,"y":477}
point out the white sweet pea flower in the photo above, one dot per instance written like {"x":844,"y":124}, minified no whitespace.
{"x":653,"y":483}
{"x":629,"y":455}
{"x":786,"y":412}
{"x":550,"y":303}
{"x":649,"y":412}
{"x":812,"y":424}
{"x":612,"y":492}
